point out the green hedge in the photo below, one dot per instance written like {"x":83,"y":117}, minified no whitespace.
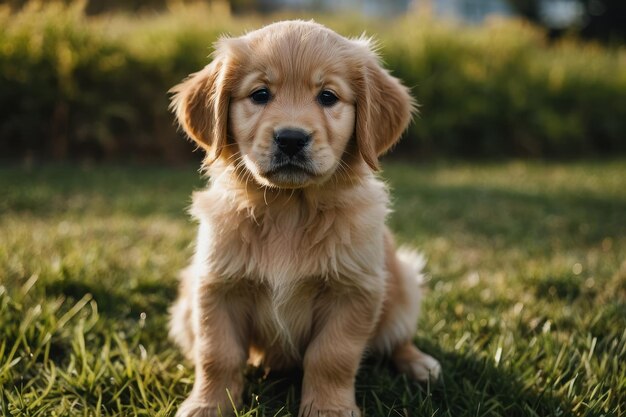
{"x":503,"y":89}
{"x":73,"y":86}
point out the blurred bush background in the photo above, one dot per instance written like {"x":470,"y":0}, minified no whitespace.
{"x":89,"y":79}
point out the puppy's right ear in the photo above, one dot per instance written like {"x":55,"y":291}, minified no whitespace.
{"x":201,"y":102}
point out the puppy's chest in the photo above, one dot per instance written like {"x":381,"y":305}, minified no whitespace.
{"x":283,"y":241}
{"x":283,"y":319}
{"x":279,"y":246}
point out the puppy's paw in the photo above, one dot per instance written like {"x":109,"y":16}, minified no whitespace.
{"x":424,"y":369}
{"x":416,"y":364}
{"x":316,"y":412}
{"x":194,"y":408}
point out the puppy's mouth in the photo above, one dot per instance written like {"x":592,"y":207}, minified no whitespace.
{"x":290,"y":174}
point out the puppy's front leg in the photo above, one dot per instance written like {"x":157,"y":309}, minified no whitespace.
{"x":220,"y":352}
{"x":332,"y":358}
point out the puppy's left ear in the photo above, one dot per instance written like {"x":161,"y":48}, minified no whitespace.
{"x":384,"y":108}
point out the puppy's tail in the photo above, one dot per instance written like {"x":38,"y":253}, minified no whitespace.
{"x":413,"y":263}
{"x":400,"y":323}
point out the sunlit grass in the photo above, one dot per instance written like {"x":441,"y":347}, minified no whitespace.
{"x":526,"y":306}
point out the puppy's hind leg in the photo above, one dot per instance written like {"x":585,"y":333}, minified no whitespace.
{"x":416,"y":364}
{"x":180,"y":326}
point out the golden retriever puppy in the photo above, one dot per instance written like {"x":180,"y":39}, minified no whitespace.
{"x":294,"y":265}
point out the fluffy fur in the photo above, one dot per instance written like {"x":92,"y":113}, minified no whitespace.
{"x":294,"y":265}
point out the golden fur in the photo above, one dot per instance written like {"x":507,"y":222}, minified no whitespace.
{"x":294,"y":265}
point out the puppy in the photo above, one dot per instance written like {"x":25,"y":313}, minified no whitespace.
{"x":294,"y":265}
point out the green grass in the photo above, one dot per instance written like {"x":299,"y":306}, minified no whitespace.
{"x":526,"y":308}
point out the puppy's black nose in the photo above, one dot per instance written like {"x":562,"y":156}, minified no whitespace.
{"x":291,"y":141}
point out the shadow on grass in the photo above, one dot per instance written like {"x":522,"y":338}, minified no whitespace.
{"x":470,"y":386}
{"x":476,"y":386}
{"x":505,"y":217}
{"x":149,"y":298}
{"x":71,"y":190}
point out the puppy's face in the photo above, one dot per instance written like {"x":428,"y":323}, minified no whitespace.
{"x":292,"y":113}
{"x":292,"y":102}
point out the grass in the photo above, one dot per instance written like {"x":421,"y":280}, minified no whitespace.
{"x":526,"y":308}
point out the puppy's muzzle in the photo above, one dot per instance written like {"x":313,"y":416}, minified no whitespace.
{"x":291,"y":142}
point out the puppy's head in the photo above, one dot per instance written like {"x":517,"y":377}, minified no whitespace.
{"x":290,"y":102}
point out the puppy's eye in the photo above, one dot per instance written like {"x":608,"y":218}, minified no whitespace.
{"x":260,"y":96}
{"x":327,"y":98}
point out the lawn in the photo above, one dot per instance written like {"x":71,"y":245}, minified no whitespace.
{"x":526,"y":307}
